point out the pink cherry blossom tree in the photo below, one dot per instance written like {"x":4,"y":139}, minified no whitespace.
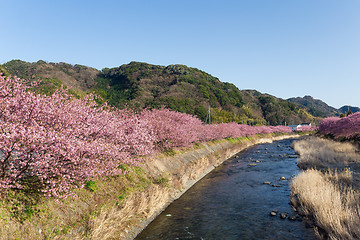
{"x":59,"y":142}
{"x":346,"y":127}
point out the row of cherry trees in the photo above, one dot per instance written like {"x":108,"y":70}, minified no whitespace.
{"x":58,"y":142}
{"x":175,"y":129}
{"x":346,"y":127}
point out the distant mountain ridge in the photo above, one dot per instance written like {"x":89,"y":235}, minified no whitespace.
{"x":318,"y":108}
{"x":345,"y":109}
{"x":181,"y":88}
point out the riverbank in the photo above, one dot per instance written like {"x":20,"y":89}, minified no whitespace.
{"x":327,"y":191}
{"x":233,"y":201}
{"x":181,"y":171}
{"x":118,"y":207}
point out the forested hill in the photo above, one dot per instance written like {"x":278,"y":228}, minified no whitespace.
{"x":319,"y":108}
{"x":185,"y":89}
{"x":3,"y":71}
{"x":316,"y":107}
{"x":77,"y":77}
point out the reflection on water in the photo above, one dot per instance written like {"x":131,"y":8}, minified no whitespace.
{"x":232,"y":202}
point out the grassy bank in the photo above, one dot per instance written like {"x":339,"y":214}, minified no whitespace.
{"x":116,"y":207}
{"x":328,"y":190}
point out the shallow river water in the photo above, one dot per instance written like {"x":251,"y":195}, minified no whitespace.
{"x":232,"y":202}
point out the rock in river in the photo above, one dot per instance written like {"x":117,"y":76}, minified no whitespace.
{"x":293,"y":217}
{"x":273,"y":213}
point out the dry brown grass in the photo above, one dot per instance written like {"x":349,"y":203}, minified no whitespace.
{"x":335,"y":208}
{"x":74,"y":217}
{"x":49,"y":221}
{"x":116,"y":222}
{"x":328,"y":195}
{"x":322,"y":153}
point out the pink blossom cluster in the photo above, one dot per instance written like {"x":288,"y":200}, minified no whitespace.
{"x":234,"y":130}
{"x":347,"y":127}
{"x":60,"y":142}
{"x":175,"y":129}
{"x":306,"y":128}
{"x":172,"y":129}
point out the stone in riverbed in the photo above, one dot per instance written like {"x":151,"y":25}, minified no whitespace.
{"x":293,"y":217}
{"x":282,"y":178}
{"x":252,"y":164}
{"x":267,"y":183}
{"x":273,"y":213}
{"x":283,"y":215}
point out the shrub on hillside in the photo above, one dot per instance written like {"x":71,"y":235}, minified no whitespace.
{"x":3,"y":71}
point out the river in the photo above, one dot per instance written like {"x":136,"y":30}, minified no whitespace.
{"x":232,"y":202}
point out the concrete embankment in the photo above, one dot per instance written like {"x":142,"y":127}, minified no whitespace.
{"x":177,"y":173}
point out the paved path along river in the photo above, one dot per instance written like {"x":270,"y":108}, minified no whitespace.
{"x":232,"y":202}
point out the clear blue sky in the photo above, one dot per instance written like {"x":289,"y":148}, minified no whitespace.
{"x":286,"y":48}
